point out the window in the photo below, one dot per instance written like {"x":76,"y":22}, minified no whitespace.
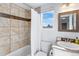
{"x":47,"y":19}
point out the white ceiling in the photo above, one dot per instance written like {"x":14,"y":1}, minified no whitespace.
{"x":28,"y":6}
{"x":35,"y":5}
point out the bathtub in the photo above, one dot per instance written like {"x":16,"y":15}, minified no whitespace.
{"x":25,"y":51}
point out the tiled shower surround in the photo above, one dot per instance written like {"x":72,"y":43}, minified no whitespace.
{"x":14,"y":34}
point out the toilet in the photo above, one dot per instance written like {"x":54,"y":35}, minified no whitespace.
{"x":41,"y":53}
{"x":44,"y":48}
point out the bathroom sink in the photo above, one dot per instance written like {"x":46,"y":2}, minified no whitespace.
{"x":68,"y":45}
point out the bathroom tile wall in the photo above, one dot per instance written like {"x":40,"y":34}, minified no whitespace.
{"x":5,"y":8}
{"x":14,"y":9}
{"x":19,"y":11}
{"x":4,"y":36}
{"x":14,"y":34}
{"x":19,"y":34}
{"x":29,"y":33}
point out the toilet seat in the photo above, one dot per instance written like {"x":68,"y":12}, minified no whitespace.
{"x":40,"y":53}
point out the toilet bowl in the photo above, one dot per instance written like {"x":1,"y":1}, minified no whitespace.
{"x":40,"y":53}
{"x":44,"y":48}
{"x":51,"y":52}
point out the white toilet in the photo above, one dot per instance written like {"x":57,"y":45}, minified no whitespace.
{"x":41,"y":53}
{"x":44,"y":48}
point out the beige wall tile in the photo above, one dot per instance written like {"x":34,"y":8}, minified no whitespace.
{"x":22,"y":34}
{"x":4,"y":49}
{"x":28,"y":14}
{"x":5,"y":8}
{"x":16,"y":45}
{"x":14,"y":23}
{"x":4,"y":31}
{"x":14,"y":10}
{"x":4,"y":22}
{"x":21,"y":23}
{"x":4,"y":40}
{"x":28,"y":41}
{"x":26,"y":24}
{"x":24,"y":42}
{"x":14,"y":34}
{"x":22,"y":12}
{"x":15,"y":38}
{"x":14,"y":30}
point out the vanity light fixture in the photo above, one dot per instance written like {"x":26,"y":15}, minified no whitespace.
{"x":65,"y":5}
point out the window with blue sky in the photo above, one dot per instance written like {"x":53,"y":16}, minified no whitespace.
{"x":47,"y":19}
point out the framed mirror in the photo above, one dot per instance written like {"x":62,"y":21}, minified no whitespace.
{"x":68,"y":21}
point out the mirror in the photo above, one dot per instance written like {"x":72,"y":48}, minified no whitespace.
{"x":68,"y":21}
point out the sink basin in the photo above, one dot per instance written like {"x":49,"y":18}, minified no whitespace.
{"x":68,"y":45}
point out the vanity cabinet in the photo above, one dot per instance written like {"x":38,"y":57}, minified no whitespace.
{"x":68,"y":21}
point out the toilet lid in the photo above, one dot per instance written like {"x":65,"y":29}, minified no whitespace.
{"x":40,"y":53}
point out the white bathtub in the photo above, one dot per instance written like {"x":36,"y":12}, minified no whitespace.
{"x":25,"y":51}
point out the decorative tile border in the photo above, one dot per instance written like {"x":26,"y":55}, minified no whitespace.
{"x":13,"y":17}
